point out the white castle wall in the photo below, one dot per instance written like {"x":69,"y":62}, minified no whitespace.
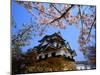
{"x":58,"y":52}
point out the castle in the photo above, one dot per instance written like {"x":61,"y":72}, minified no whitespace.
{"x":53,"y":46}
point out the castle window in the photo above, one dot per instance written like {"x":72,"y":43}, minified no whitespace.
{"x":46,"y":56}
{"x":40,"y":57}
{"x":53,"y":54}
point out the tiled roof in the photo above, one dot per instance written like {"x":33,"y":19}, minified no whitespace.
{"x":51,"y":36}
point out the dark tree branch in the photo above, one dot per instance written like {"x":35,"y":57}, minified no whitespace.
{"x":81,"y":18}
{"x":90,"y":29}
{"x":42,"y":11}
{"x":20,"y":35}
{"x":55,"y":8}
{"x":58,"y":11}
{"x":63,"y":14}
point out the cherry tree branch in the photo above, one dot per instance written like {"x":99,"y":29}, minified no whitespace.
{"x":63,"y":14}
{"x":90,"y":29}
{"x":81,"y":18}
{"x":58,"y":11}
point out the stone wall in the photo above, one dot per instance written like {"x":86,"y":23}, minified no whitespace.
{"x":52,"y":64}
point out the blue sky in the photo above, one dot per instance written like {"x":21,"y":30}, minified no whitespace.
{"x":70,"y":34}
